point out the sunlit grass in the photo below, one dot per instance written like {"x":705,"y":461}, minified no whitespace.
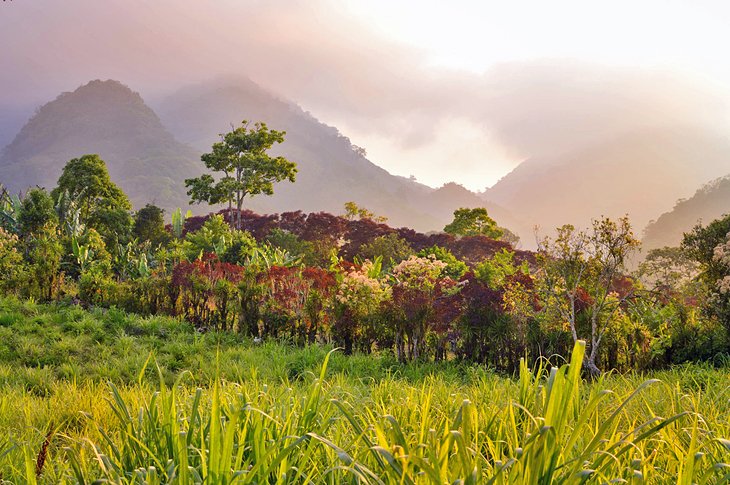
{"x":274,"y":414}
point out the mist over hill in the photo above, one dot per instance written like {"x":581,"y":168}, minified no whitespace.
{"x":332,"y":170}
{"x":710,"y":202}
{"x":107,"y":118}
{"x":640,"y":174}
{"x":150,"y":164}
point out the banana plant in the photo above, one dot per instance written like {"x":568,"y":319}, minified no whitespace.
{"x":267,"y":256}
{"x":82,"y":252}
{"x":143,"y":269}
{"x":69,"y":213}
{"x":178,"y":221}
{"x":134,"y":260}
{"x":220,"y":246}
{"x":9,"y":210}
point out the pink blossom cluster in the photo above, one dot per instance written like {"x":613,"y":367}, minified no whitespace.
{"x":416,"y":271}
{"x":722,"y":255}
{"x":361,"y":293}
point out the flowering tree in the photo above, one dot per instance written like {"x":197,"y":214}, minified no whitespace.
{"x":721,"y":296}
{"x":361,"y":290}
{"x":583,"y":268}
{"x":417,"y":287}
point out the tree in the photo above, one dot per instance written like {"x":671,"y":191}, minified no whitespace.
{"x":246,"y":167}
{"x":11,"y":261}
{"x":36,"y":212}
{"x":85,"y":186}
{"x":667,"y":268}
{"x":354,"y":211}
{"x":86,"y":180}
{"x":390,"y":248}
{"x":700,"y":243}
{"x":149,"y":225}
{"x":495,"y":272}
{"x":580,"y":272}
{"x":708,"y":246}
{"x":473,"y":222}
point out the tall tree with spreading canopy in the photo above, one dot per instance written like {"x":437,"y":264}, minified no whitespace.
{"x":580,"y":272}
{"x":473,"y":222}
{"x":246,"y":168}
{"x":85,"y":186}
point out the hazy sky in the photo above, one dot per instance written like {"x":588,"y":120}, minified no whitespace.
{"x":445,"y":91}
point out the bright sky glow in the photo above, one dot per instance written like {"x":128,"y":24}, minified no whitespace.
{"x":417,"y":83}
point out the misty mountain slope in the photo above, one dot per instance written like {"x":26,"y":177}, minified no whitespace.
{"x":331,"y":171}
{"x":12,"y":120}
{"x":640,"y":174}
{"x":107,"y":118}
{"x":708,"y":203}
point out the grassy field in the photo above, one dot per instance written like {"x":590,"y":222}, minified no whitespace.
{"x":102,"y":395}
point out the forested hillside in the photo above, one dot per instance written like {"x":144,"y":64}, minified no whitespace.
{"x":708,"y":203}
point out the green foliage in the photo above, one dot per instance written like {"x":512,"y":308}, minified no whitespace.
{"x":239,"y":248}
{"x":668,"y":267}
{"x":96,"y":285}
{"x":217,"y":237}
{"x":390,"y":247}
{"x":246,"y":167}
{"x":86,"y":180}
{"x":700,"y":244}
{"x":149,"y":225}
{"x":494,"y":272}
{"x":10,"y":206}
{"x":266,"y":256}
{"x":85,"y":186}
{"x":36,"y":212}
{"x":43,"y":253}
{"x":473,"y":222}
{"x":709,"y":247}
{"x":286,"y":241}
{"x":583,"y":269}
{"x":455,"y":268}
{"x":214,"y":238}
{"x":178,"y":222}
{"x":131,"y":400}
{"x":11,"y":262}
{"x":354,"y":211}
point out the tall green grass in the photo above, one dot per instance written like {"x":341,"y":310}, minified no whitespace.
{"x":546,"y":427}
{"x":105,"y":397}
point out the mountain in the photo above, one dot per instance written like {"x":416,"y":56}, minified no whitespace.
{"x":710,"y":202}
{"x":107,"y":118}
{"x":331,"y":170}
{"x":12,"y":120}
{"x":150,"y":164}
{"x":640,"y":174}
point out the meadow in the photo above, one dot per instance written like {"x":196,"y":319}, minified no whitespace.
{"x":103,"y":396}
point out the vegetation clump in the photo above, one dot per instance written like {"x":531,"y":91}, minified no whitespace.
{"x":236,"y":315}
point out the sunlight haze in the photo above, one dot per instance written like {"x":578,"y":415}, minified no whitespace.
{"x":402,"y":79}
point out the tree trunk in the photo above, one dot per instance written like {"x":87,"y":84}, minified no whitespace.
{"x":590,"y":363}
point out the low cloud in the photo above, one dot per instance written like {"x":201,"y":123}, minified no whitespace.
{"x":340,"y":69}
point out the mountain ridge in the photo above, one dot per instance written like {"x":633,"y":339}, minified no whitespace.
{"x":111,"y":120}
{"x":146,"y":159}
{"x":710,"y":202}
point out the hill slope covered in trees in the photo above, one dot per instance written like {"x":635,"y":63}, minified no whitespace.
{"x":109,"y":119}
{"x":332,"y":170}
{"x":708,"y":203}
{"x":640,"y":174}
{"x":150,"y":164}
